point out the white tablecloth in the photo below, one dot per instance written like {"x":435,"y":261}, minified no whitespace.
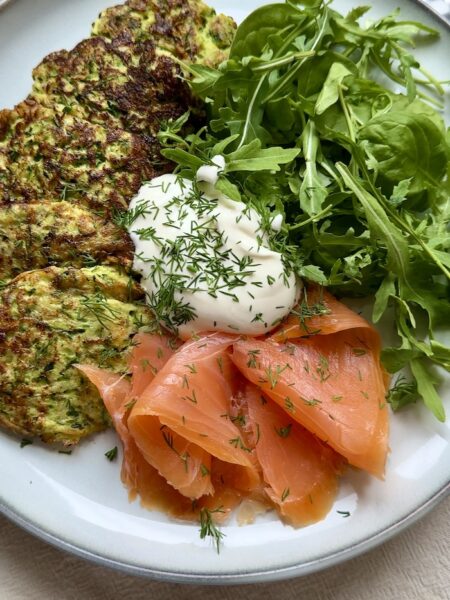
{"x":413,"y":566}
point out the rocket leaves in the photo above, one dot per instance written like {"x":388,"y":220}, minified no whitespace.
{"x":309,"y":129}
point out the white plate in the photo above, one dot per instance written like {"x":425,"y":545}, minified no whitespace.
{"x":78,"y":503}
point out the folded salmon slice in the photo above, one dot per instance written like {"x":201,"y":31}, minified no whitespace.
{"x":191,"y":395}
{"x":185,"y":466}
{"x":144,"y":480}
{"x":332,"y":384}
{"x":137,"y":475}
{"x":149,"y":354}
{"x":300,"y":471}
{"x":115,"y":391}
{"x":318,"y":314}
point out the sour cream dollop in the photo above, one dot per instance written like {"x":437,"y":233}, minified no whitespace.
{"x":205,"y":262}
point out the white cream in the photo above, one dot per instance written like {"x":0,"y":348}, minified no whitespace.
{"x":210,"y":173}
{"x":230,"y":279}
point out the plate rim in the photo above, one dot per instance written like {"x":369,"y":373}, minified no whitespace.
{"x":252,"y":576}
{"x":429,"y":8}
{"x":246,"y":576}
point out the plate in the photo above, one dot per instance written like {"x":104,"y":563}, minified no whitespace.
{"x":77,"y":502}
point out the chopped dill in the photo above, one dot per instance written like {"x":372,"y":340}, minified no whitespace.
{"x":126,"y":218}
{"x":307,"y":311}
{"x":289,"y":404}
{"x":238,"y":443}
{"x":312,"y":402}
{"x":239,"y":419}
{"x":111,"y":454}
{"x":192,"y":398}
{"x":283,"y":432}
{"x":359,"y":351}
{"x":252,"y":354}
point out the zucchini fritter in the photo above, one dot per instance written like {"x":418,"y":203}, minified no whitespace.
{"x":188,"y":29}
{"x":37,"y":234}
{"x":51,"y":319}
{"x":53,"y":156}
{"x":127,"y":86}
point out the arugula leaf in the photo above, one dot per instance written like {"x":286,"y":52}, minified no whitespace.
{"x":329,"y":93}
{"x":312,"y":273}
{"x":253,"y":32}
{"x":384,"y":293}
{"x":267,"y":159}
{"x":395,"y":359}
{"x":360,"y":174}
{"x":312,"y":192}
{"x":400,"y":192}
{"x":380,"y":226}
{"x":426,"y":385}
{"x":229,"y":189}
{"x":356,"y":13}
{"x":183,"y":158}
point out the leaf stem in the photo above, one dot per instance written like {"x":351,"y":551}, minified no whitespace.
{"x":280,"y":62}
{"x":320,"y":215}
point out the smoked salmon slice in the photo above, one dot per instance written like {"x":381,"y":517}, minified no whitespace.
{"x":115,"y":391}
{"x":149,"y":354}
{"x":137,"y":474}
{"x":332,"y":384}
{"x":191,"y":395}
{"x":300,"y":471}
{"x":185,"y":466}
{"x":318,"y":314}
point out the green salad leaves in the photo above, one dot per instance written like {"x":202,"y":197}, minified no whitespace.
{"x":337,"y":127}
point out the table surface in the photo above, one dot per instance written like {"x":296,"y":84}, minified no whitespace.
{"x":413,"y":566}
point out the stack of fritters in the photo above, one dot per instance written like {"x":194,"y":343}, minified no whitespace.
{"x":87,"y":132}
{"x":71,"y":155}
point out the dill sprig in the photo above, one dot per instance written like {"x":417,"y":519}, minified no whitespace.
{"x":307,"y":311}
{"x":125,"y":218}
{"x":208,"y":528}
{"x":97,"y":305}
{"x":403,"y":392}
{"x":168,"y":438}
